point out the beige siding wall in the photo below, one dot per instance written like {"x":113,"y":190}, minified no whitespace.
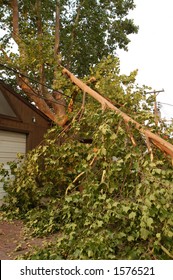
{"x":11,"y":143}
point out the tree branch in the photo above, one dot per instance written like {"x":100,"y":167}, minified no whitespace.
{"x":149,"y":148}
{"x":156,"y":140}
{"x":166,"y":251}
{"x":16,"y":31}
{"x":15,"y":20}
{"x":130,"y":134}
{"x":57,"y":29}
{"x":73,"y":33}
{"x":40,"y":45}
{"x":40,"y":102}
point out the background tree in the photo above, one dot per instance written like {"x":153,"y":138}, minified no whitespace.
{"x":75,"y":33}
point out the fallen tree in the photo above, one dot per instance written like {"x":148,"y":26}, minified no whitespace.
{"x":106,"y":199}
{"x":155,"y":139}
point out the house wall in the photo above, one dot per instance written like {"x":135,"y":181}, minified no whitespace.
{"x":28,"y":119}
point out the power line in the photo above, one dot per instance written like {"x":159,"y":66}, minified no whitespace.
{"x":44,"y":98}
{"x":31,"y":79}
{"x":33,"y":91}
{"x":165,"y":103}
{"x":49,"y":87}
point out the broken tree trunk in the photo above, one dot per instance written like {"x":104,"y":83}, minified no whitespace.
{"x":160,"y":143}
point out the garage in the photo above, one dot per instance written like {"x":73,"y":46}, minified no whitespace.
{"x":11,"y":143}
{"x":22,"y":126}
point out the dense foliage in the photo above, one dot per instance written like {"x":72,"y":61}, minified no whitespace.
{"x":89,"y":30}
{"x":51,"y":35}
{"x":107,"y":199}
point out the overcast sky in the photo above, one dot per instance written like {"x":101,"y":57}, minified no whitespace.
{"x":151,"y":50}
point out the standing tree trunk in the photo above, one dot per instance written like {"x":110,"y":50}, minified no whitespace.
{"x":52,"y":105}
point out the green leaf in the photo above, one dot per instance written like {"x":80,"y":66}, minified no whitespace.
{"x":113,"y":136}
{"x":130,"y":238}
{"x":149,"y":222}
{"x":100,"y":223}
{"x":158,"y":235}
{"x":144,"y":233}
{"x":103,"y":151}
{"x":132,"y":215}
{"x":68,"y":198}
{"x":90,"y":253}
{"x":125,"y":208}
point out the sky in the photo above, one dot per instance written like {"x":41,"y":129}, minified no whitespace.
{"x":151,"y":50}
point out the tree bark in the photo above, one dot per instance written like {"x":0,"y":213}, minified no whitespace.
{"x":16,"y":31}
{"x":40,"y":45}
{"x":73,"y":33}
{"x":15,"y":20}
{"x":41,"y":102}
{"x":57,"y":29}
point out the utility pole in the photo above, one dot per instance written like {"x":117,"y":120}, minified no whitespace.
{"x":156,"y":110}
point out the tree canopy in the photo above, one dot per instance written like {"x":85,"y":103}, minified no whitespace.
{"x":76,"y":34}
{"x":80,"y":31}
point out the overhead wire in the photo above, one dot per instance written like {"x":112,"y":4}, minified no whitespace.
{"x":31,"y":79}
{"x":49,"y":87}
{"x":165,"y":103}
{"x":42,"y":97}
{"x":34,"y":93}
